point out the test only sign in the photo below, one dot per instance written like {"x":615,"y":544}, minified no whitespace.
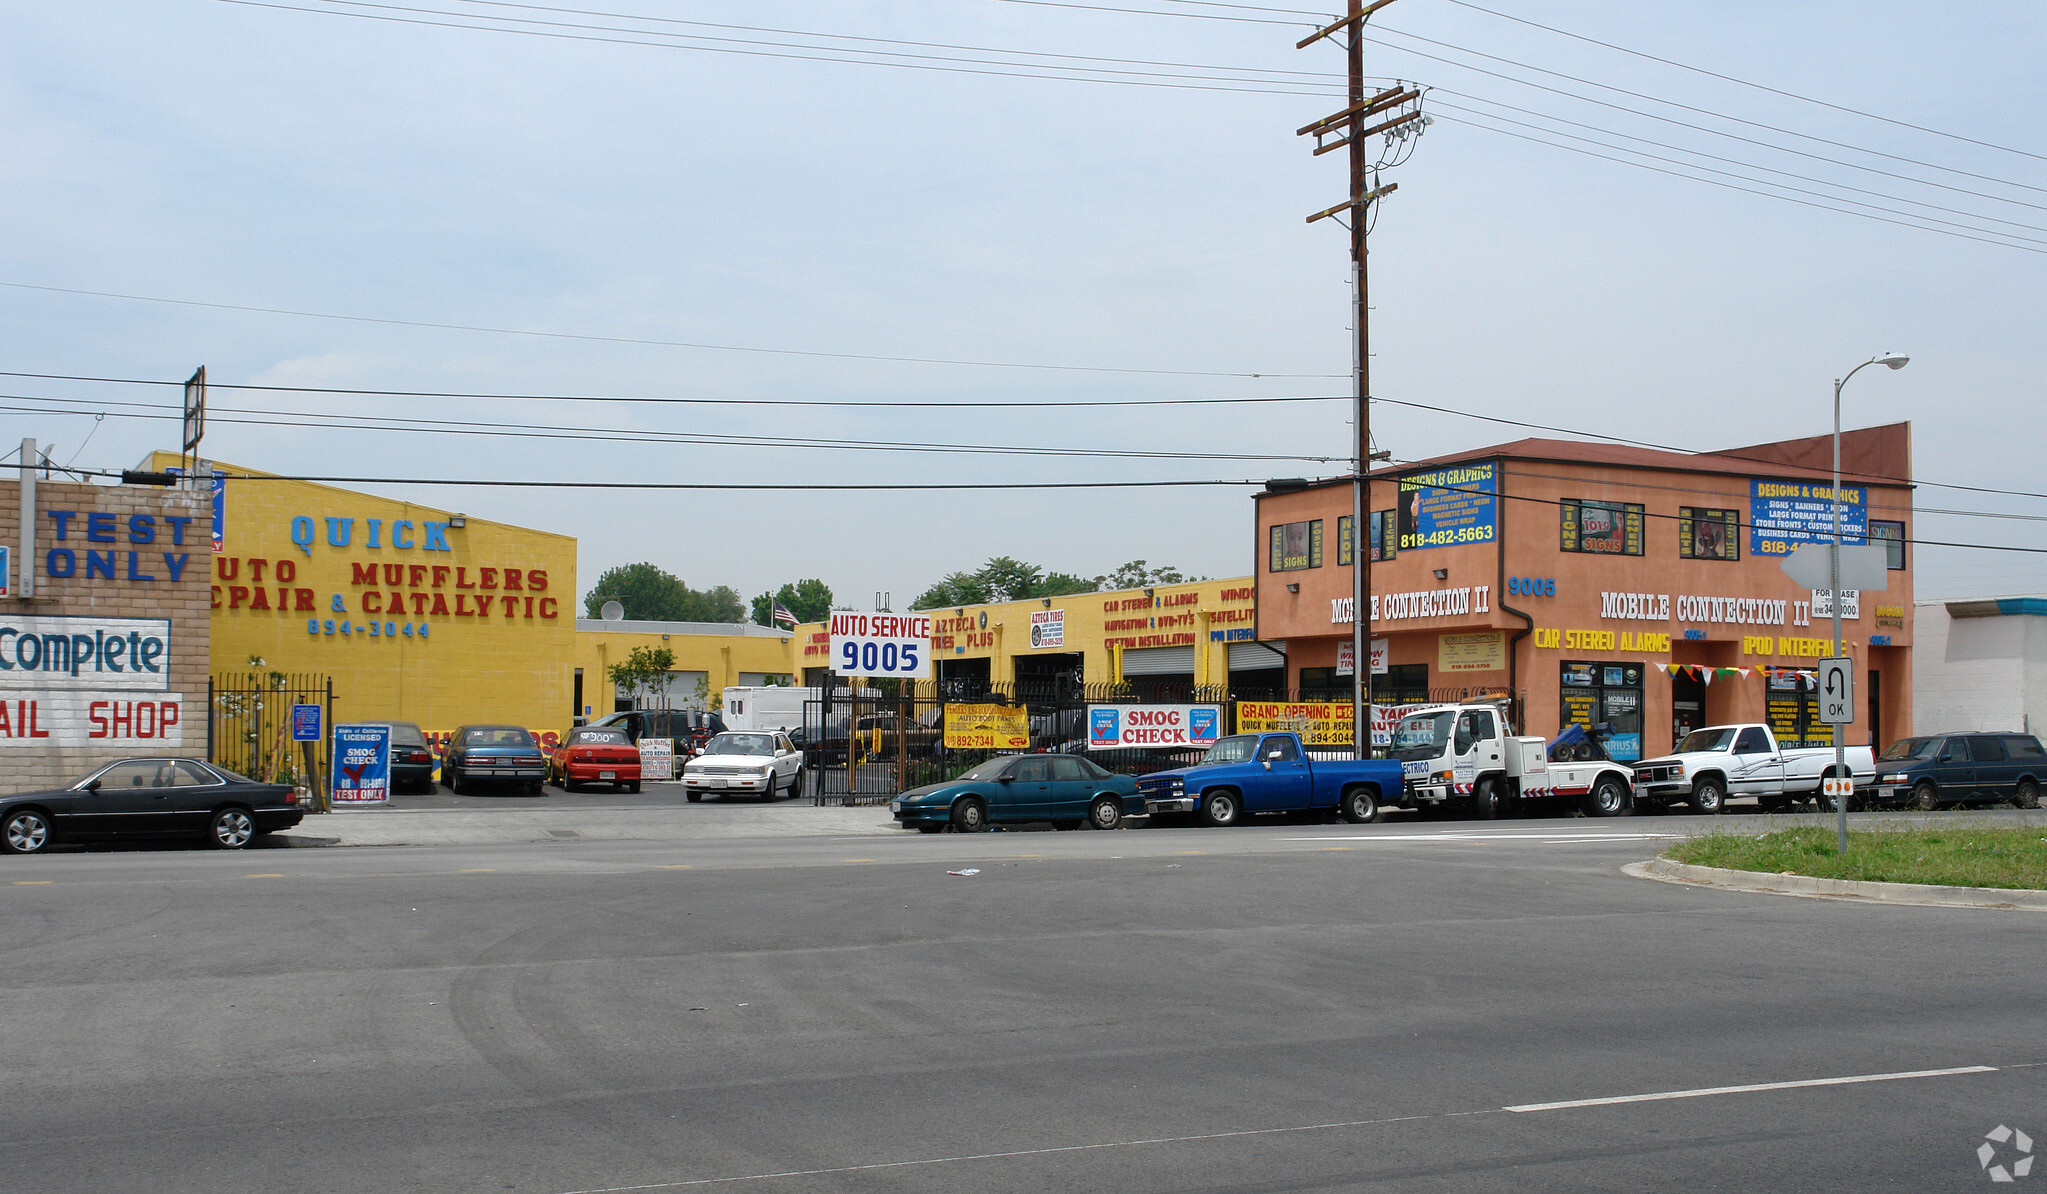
{"x":1120,"y":727}
{"x":881,"y":644}
{"x":362,"y":764}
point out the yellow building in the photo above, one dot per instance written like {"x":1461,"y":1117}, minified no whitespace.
{"x":1164,"y":638}
{"x":709,"y":658}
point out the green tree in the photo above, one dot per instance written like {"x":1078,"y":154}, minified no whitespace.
{"x":1135,"y":575}
{"x":651,"y":593}
{"x":809,"y":600}
{"x":641,"y":670}
{"x":1001,"y":579}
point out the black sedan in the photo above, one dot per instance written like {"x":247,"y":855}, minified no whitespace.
{"x":137,"y":799}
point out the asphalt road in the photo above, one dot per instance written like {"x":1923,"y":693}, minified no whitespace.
{"x":1285,"y":1007}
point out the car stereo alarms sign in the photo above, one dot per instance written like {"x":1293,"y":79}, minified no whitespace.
{"x":881,"y":645}
{"x":1121,"y":727}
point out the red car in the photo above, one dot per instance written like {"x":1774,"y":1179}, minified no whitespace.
{"x":596,"y":755}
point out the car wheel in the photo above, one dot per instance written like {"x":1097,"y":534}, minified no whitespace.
{"x":535,"y":787}
{"x":27,"y":832}
{"x":454,"y":778}
{"x":2026,"y":795}
{"x":1360,"y":806}
{"x":930,"y":829}
{"x":569,"y":785}
{"x":1486,"y":800}
{"x":1105,"y":813}
{"x":694,"y":797}
{"x":1925,"y":797}
{"x":1221,"y":808}
{"x":796,"y":786}
{"x":230,"y":829}
{"x":1609,"y":798}
{"x":970,"y":815}
{"x":1709,"y":797}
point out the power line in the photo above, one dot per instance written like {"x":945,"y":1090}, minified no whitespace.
{"x":739,"y":486}
{"x":697,"y":344}
{"x":1713,"y":74}
{"x":747,"y":402}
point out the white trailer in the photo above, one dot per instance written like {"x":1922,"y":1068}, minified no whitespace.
{"x":766,"y":708}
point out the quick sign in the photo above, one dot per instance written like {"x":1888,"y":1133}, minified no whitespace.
{"x":881,"y":645}
{"x":362,"y":764}
{"x":51,"y":652}
{"x":1120,"y":727}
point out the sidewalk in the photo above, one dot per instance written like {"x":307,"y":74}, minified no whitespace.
{"x":471,"y":827}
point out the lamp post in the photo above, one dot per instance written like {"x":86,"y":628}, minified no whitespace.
{"x":1890,"y":360}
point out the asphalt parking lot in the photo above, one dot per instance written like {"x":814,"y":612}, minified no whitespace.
{"x":1424,"y":1006}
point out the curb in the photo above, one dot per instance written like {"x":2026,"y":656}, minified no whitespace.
{"x":1925,"y":895}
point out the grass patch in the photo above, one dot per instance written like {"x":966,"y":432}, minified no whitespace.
{"x":1950,"y":857}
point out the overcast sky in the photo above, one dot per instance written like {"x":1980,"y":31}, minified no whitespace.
{"x":1147,"y":241}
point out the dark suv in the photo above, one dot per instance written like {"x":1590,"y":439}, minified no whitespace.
{"x":1928,"y":772}
{"x":690,"y":728}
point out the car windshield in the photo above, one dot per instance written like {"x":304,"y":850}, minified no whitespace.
{"x":1702,"y":741}
{"x":597,"y":738}
{"x":498,"y":736}
{"x":406,"y":734}
{"x":1237,"y":749}
{"x":1911,"y":748}
{"x":992,"y":769}
{"x":1430,"y":730}
{"x":741,"y":744}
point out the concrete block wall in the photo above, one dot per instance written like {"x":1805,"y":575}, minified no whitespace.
{"x":139,"y":519}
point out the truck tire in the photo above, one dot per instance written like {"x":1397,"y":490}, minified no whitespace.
{"x":1222,"y":807}
{"x":1709,"y":796}
{"x":1608,"y":798}
{"x":2026,"y":795}
{"x":1487,"y":802}
{"x":1360,"y":806}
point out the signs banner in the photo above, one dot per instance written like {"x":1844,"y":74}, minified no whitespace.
{"x":881,"y":644}
{"x":987,"y":727}
{"x":45,"y":718}
{"x":657,"y":758}
{"x":1048,"y":628}
{"x":6,"y":571}
{"x":1118,"y":727}
{"x":1449,"y":506}
{"x":362,"y":764}
{"x":305,"y":723}
{"x":1784,"y":514}
{"x":48,"y":651}
{"x":1482,"y":652}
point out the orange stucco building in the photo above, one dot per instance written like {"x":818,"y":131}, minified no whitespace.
{"x":1601,"y":584}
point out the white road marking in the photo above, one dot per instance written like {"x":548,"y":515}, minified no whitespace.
{"x":1529,"y":836}
{"x":1705,"y":1092}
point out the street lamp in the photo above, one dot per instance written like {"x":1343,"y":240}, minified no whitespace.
{"x":1890,"y":360}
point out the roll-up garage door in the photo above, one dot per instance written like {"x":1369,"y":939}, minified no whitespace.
{"x":1254,"y":657}
{"x":1159,"y":661}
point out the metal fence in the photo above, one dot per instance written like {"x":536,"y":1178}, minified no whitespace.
{"x":248,"y":725}
{"x":864,"y":746}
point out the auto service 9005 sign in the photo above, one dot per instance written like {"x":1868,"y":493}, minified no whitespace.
{"x":881,"y":645}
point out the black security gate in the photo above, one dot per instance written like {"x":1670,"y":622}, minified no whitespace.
{"x":248,"y":727}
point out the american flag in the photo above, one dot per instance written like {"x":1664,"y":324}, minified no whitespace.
{"x":782,"y":615}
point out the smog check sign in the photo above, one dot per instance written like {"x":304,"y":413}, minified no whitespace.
{"x":1121,"y":727}
{"x":881,"y":645}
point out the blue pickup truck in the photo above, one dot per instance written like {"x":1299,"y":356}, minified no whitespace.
{"x":1247,"y":774}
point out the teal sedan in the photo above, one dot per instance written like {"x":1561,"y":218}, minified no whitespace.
{"x":1063,"y":789}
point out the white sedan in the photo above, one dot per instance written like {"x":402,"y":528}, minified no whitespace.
{"x":764,"y":764}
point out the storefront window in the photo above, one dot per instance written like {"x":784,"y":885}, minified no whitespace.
{"x":1296,"y":545}
{"x":1792,"y":707}
{"x":1892,"y":536}
{"x":1606,"y":695}
{"x":1708,"y":534}
{"x":1601,"y":528}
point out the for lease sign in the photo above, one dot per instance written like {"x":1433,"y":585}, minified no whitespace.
{"x":1120,"y":727}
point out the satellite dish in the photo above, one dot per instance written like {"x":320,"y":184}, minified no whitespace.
{"x":612,"y":612}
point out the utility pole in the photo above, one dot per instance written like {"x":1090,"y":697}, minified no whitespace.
{"x":1364,"y":191}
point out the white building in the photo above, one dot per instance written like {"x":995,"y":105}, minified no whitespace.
{"x":1979,"y":664}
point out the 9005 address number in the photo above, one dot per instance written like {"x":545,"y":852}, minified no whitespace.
{"x":870,"y":658}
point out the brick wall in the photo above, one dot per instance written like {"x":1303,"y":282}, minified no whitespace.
{"x":58,"y":726}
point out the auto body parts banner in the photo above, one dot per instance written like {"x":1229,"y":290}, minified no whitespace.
{"x":1784,"y":514}
{"x":1449,"y":506}
{"x":1120,"y":727}
{"x":987,"y":727}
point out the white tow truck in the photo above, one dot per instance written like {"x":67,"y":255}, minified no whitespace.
{"x":1468,"y":756}
{"x":1718,"y":762}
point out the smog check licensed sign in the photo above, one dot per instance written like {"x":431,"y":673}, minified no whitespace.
{"x":362,"y":764}
{"x":1182,"y":727}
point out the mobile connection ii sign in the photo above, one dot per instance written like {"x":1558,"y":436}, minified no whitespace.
{"x":881,"y":644}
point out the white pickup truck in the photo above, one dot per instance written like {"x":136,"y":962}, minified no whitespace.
{"x":1469,"y":756}
{"x":1719,"y":762}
